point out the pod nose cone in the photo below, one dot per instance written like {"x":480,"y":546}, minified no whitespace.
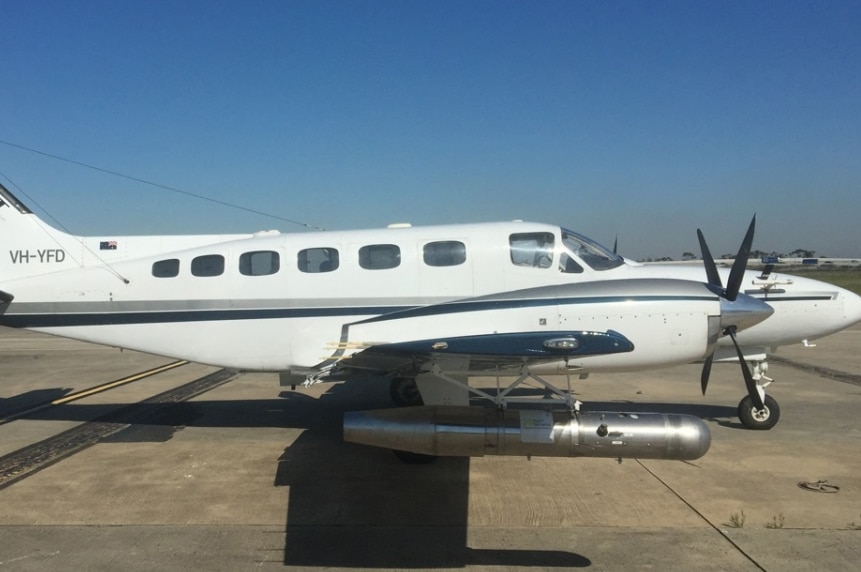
{"x":851,"y":307}
{"x":743,"y":312}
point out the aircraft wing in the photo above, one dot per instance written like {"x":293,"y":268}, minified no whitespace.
{"x":507,"y":330}
{"x":513,"y":329}
{"x":485,"y":352}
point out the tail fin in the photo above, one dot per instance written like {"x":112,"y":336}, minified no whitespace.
{"x":29,"y":246}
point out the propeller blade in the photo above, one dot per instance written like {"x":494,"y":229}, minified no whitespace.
{"x":616,"y":245}
{"x":709,"y":262}
{"x":707,"y":369}
{"x":736,"y":275}
{"x":745,"y":370}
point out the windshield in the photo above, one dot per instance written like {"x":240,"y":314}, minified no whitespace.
{"x":590,"y":252}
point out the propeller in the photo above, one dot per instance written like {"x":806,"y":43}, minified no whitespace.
{"x":749,"y":382}
{"x":730,"y":295}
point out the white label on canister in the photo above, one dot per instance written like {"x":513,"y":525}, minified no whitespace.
{"x":536,"y":427}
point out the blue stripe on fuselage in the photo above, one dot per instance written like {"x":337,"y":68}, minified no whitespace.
{"x":379,"y":313}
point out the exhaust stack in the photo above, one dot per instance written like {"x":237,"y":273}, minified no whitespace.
{"x":475,"y":432}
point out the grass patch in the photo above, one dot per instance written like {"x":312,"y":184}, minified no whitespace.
{"x":845,"y":277}
{"x":736,"y":520}
{"x":777,"y":521}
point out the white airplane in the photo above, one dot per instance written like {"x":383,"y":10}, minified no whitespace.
{"x":426,"y":307}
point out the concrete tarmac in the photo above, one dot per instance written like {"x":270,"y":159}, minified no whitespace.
{"x":248,"y":476}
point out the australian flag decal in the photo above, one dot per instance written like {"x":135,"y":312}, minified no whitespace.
{"x":108,"y":245}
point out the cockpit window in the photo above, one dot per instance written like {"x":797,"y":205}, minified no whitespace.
{"x":590,"y":252}
{"x":568,"y":265}
{"x":533,"y":249}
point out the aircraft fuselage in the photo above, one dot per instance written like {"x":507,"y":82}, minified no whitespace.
{"x":280,"y":302}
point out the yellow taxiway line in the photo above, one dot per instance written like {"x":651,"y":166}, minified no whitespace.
{"x":95,"y":390}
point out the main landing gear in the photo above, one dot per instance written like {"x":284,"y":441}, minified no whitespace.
{"x":451,"y":388}
{"x":405,"y":392}
{"x":767,"y":417}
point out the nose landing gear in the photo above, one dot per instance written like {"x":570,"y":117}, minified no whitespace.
{"x":759,"y":419}
{"x":767,"y":417}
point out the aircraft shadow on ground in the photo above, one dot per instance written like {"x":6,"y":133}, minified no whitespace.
{"x":293,"y":409}
{"x":348,"y":505}
{"x":16,"y":404}
{"x":157,"y":422}
{"x":380,"y":512}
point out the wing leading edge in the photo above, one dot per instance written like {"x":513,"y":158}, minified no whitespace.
{"x":488,"y":351}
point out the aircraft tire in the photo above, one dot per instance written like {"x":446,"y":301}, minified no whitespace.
{"x":758,"y":420}
{"x":411,"y":458}
{"x":404,"y":392}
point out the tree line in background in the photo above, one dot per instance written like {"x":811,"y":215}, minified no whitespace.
{"x":758,"y":254}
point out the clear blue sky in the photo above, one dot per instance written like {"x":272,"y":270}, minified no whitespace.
{"x":646,"y":119}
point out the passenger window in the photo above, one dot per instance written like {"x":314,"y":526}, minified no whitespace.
{"x":379,"y":256}
{"x":445,"y":253}
{"x":533,"y":249}
{"x":314,"y":260}
{"x":259,"y":263}
{"x":166,"y":268}
{"x":208,"y":265}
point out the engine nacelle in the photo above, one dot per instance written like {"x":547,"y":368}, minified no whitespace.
{"x":475,"y":432}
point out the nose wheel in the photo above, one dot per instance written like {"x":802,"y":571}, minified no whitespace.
{"x":759,"y":419}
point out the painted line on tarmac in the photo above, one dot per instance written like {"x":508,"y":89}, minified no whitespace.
{"x":33,"y":458}
{"x":94,"y":390}
{"x":834,"y":374}
{"x":714,"y":527}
